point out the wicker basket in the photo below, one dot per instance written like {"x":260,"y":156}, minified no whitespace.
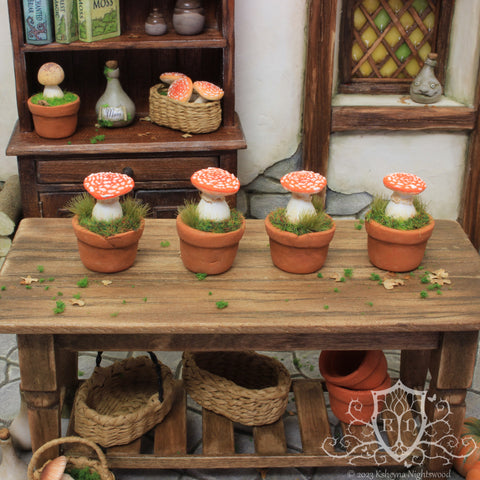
{"x":100,"y":465}
{"x":121,"y":402}
{"x":246,"y":387}
{"x":187,"y":117}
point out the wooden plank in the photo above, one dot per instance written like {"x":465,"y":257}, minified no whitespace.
{"x":414,"y":368}
{"x":368,"y":118}
{"x":218,"y":436}
{"x":128,"y":449}
{"x":171,"y":433}
{"x":270,"y":439}
{"x":312,"y":416}
{"x":360,"y":437}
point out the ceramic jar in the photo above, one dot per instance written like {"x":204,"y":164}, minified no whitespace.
{"x":188,"y":17}
{"x":155,"y":23}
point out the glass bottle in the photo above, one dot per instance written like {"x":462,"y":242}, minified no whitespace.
{"x":114,"y":108}
{"x":155,"y":23}
{"x":188,"y":17}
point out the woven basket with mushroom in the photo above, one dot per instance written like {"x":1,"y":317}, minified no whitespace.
{"x":121,"y":402}
{"x":55,"y":468}
{"x":180,"y":104}
{"x":246,"y":387}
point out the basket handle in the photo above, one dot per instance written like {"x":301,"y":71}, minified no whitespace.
{"x":158,"y":369}
{"x":59,"y":441}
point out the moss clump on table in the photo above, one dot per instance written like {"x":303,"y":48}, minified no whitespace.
{"x":133,"y":213}
{"x":68,"y":97}
{"x":190,"y":217}
{"x":377,"y":213}
{"x":309,"y":223}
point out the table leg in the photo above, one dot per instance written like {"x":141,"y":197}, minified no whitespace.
{"x":452,"y":367}
{"x":38,"y":377}
{"x":414,"y":368}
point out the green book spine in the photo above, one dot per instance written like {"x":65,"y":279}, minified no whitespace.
{"x":38,"y":21}
{"x":66,"y":20}
{"x":98,"y":19}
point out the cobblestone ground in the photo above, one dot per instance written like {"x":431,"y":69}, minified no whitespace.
{"x":301,"y":365}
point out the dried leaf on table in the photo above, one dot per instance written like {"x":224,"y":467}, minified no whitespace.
{"x":337,"y":277}
{"x":106,"y":283}
{"x":28,"y":280}
{"x":187,"y":135}
{"x":77,"y":301}
{"x":390,"y":283}
{"x":440,"y":276}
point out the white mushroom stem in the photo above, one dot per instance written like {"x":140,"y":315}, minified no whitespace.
{"x":401,"y":206}
{"x":300,"y":204}
{"x":107,"y":210}
{"x":52,"y":91}
{"x":213,"y":207}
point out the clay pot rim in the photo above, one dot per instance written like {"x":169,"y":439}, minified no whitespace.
{"x":345,"y":395}
{"x":393,"y":235}
{"x":209,"y":239}
{"x":54,"y":110}
{"x":308,"y":240}
{"x":364,"y":370}
{"x":114,"y":241}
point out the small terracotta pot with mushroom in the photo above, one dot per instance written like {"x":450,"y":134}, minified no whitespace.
{"x":54,"y":112}
{"x":295,"y":245}
{"x":212,"y":249}
{"x":397,"y":232}
{"x":104,"y":250}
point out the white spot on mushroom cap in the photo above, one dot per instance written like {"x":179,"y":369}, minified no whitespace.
{"x":215,"y":180}
{"x":304,"y":181}
{"x":104,"y":185}
{"x":405,"y":183}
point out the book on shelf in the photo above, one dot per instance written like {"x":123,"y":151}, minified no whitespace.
{"x":98,"y":19}
{"x":38,"y":19}
{"x":66,"y":20}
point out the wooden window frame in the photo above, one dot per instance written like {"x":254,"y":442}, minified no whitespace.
{"x":352,"y":85}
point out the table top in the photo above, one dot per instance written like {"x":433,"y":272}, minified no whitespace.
{"x":158,"y":295}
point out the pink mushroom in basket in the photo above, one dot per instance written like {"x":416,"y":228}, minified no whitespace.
{"x":303,"y":184}
{"x":106,"y":188}
{"x":214,"y":184}
{"x":207,"y":91}
{"x":405,"y":186}
{"x":181,"y":89}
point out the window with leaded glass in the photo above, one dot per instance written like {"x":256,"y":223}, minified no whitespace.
{"x":385,"y":42}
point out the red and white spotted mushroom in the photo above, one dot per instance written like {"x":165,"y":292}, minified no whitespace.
{"x":181,"y":89}
{"x":214,"y":184}
{"x":170,"y":77}
{"x":106,"y":188}
{"x":54,"y":470}
{"x":303,"y":184}
{"x":405,"y":186}
{"x":207,"y":91}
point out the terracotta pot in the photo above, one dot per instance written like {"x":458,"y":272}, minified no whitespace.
{"x":298,"y":253}
{"x":397,"y":250}
{"x":358,"y":402}
{"x":59,"y":121}
{"x":107,"y":254}
{"x":355,"y":369}
{"x":207,"y":252}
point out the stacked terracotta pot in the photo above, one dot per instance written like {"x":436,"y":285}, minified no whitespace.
{"x":350,"y":377}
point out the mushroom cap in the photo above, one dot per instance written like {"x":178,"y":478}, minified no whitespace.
{"x":303,"y":181}
{"x":404,"y":183}
{"x":104,"y":185}
{"x":181,"y":89}
{"x":50,"y":74}
{"x":208,"y":90}
{"x":215,"y":180}
{"x":170,"y":77}
{"x":54,"y":469}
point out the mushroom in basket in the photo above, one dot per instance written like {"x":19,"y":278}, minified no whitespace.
{"x":300,"y":234}
{"x":210,"y":231}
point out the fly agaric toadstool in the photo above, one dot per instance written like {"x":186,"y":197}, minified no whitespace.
{"x":303,"y":184}
{"x":214,"y":184}
{"x":181,"y":89}
{"x":54,"y":469}
{"x":207,"y":91}
{"x":50,"y":75}
{"x":170,"y":77}
{"x":405,"y":186}
{"x":106,"y":188}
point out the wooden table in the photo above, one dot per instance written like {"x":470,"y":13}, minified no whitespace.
{"x":158,"y":305}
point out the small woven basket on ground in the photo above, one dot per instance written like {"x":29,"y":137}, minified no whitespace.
{"x":121,"y":402}
{"x":100,"y":466}
{"x":246,"y":387}
{"x":187,"y":117}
